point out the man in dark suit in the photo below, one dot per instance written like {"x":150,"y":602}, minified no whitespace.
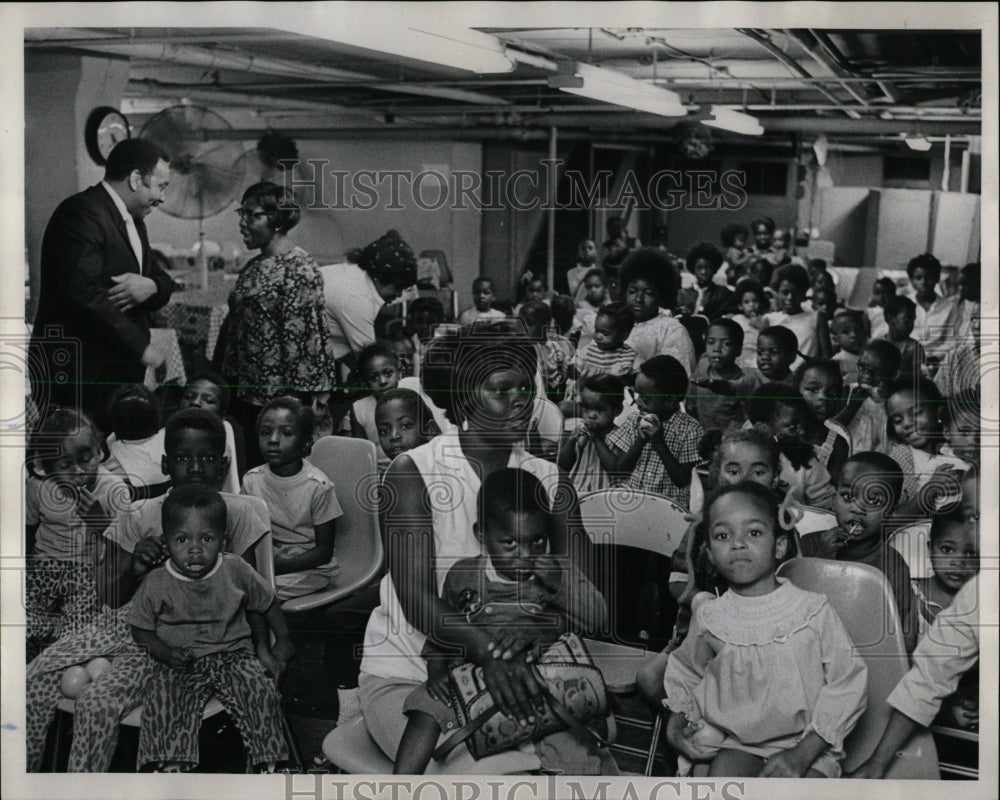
{"x":99,"y":285}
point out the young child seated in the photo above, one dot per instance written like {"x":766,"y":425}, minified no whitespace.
{"x":482,"y":299}
{"x":403,"y":421}
{"x":937,"y":317}
{"x":810,"y":328}
{"x":595,"y":297}
{"x":703,"y":261}
{"x":751,"y":303}
{"x":953,"y":550}
{"x":719,"y":388}
{"x":864,"y":414}
{"x":868,"y":492}
{"x":915,"y":438}
{"x":69,"y":500}
{"x":400,"y":345}
{"x":301,"y":499}
{"x":208,"y":390}
{"x":822,"y":389}
{"x":848,"y":332}
{"x":777,"y":348}
{"x":135,"y":445}
{"x":191,"y":616}
{"x":883,"y":289}
{"x":727,"y":685}
{"x":650,"y":290}
{"x":586,"y":456}
{"x":378,"y":368}
{"x":782,"y":409}
{"x":900,"y":316}
{"x":534,"y":289}
{"x":657,"y":444}
{"x":761,"y":272}
{"x":515,"y":586}
{"x":608,"y":353}
{"x":586,"y":261}
{"x":737,"y":255}
{"x":555,"y":353}
{"x":960,"y":417}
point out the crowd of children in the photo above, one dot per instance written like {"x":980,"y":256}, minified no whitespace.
{"x":743,"y":391}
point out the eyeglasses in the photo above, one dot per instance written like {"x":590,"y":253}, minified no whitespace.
{"x":244,"y":213}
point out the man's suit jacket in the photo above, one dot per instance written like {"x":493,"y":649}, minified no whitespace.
{"x":85,"y":243}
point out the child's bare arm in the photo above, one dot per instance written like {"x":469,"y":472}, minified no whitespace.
{"x":607,"y":457}
{"x":320,"y":554}
{"x":119,"y":572}
{"x":274,"y":657}
{"x":177,"y":657}
{"x":567,"y":452}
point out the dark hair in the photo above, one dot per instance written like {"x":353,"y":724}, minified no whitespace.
{"x":826,"y":365}
{"x":535,"y":312}
{"x":887,"y":353}
{"x":925,"y":393}
{"x":767,"y":266}
{"x":277,"y":202}
{"x":887,"y":284}
{"x":897,"y":303}
{"x":852,"y":315}
{"x":619,"y":315}
{"x":425,"y":417}
{"x":766,"y":398}
{"x":708,"y":444}
{"x":767,"y":222}
{"x":729,"y":233}
{"x":481,"y":280}
{"x":194,"y":419}
{"x":610,"y":388}
{"x":794,"y":274}
{"x":748,"y":285}
{"x":305,"y":419}
{"x":706,"y":251}
{"x":755,"y":491}
{"x":941,"y":523}
{"x":57,"y":425}
{"x":599,"y":272}
{"x":652,"y":266}
{"x":784,"y":337}
{"x":667,"y":375}
{"x":430,"y":305}
{"x":508,"y":491}
{"x":130,"y":154}
{"x":456,"y":364}
{"x":134,"y":412}
{"x":190,"y":497}
{"x":756,"y":435}
{"x":928,"y":263}
{"x":817,"y":263}
{"x":389,"y":259}
{"x":733,"y":328}
{"x":374,"y":350}
{"x":823,"y":280}
{"x":563,"y":311}
{"x":889,"y":471}
{"x":216,"y":380}
{"x":973,"y":277}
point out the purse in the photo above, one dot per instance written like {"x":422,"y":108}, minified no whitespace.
{"x":575,"y":694}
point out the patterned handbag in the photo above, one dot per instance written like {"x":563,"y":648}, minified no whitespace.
{"x":575,"y":694}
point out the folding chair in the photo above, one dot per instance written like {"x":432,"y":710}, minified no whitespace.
{"x":645,"y":521}
{"x":350,"y":464}
{"x":911,"y":543}
{"x":857,"y":593}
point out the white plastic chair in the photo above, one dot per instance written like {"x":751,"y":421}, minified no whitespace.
{"x":911,"y":543}
{"x":351,"y":465}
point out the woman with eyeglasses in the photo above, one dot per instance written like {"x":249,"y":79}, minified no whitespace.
{"x":277,"y":342}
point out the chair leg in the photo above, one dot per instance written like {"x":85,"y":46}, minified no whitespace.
{"x":654,"y":741}
{"x":293,"y":743}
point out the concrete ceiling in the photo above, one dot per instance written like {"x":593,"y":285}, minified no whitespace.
{"x":862,"y":86}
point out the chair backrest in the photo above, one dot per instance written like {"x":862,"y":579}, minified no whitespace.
{"x":351,"y":465}
{"x":862,"y":598}
{"x":549,"y":418}
{"x":697,"y":327}
{"x":911,"y":543}
{"x":634,"y":519}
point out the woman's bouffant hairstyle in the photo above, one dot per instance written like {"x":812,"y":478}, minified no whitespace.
{"x":456,"y":363}
{"x":277,"y":202}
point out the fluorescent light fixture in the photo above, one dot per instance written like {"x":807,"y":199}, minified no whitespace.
{"x":918,"y":143}
{"x":616,"y":88}
{"x":728,"y":120}
{"x":461,"y":48}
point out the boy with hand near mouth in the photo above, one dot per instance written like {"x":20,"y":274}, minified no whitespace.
{"x":720,"y":390}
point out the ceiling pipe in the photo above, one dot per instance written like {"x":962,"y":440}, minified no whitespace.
{"x":792,"y":64}
{"x":809,"y":45}
{"x":206,"y":58}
